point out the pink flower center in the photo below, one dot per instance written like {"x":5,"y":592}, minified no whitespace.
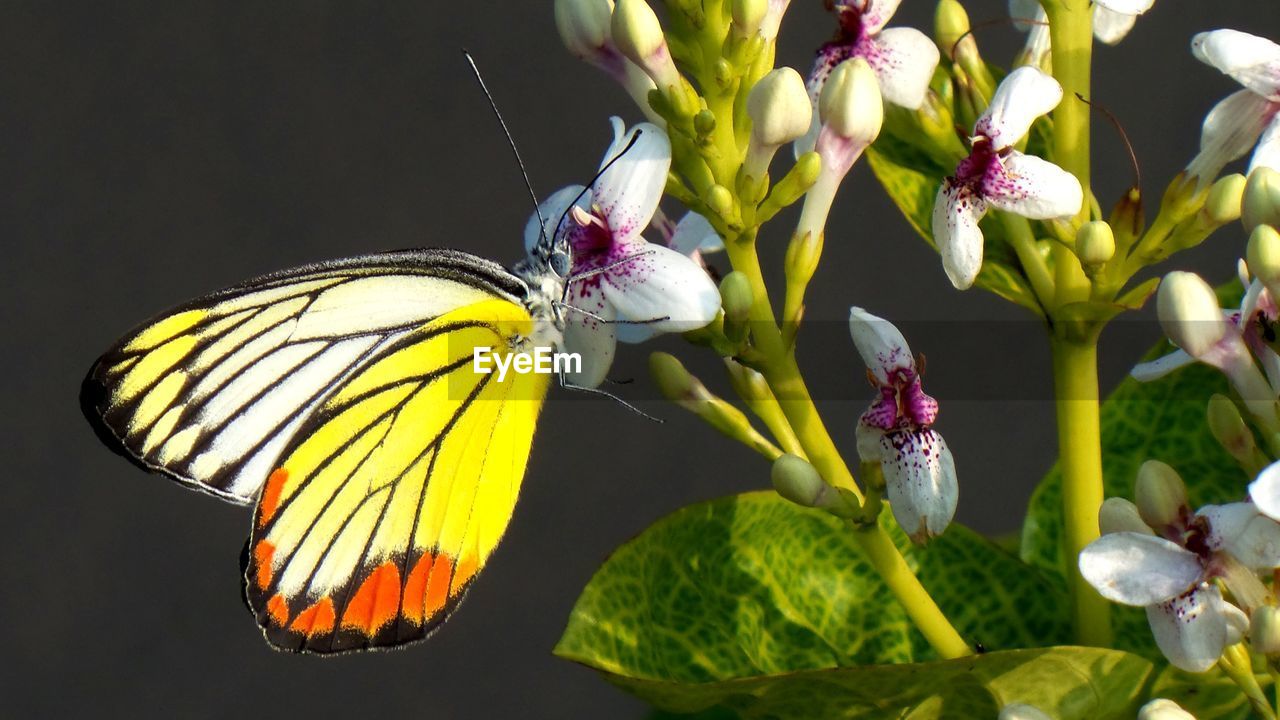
{"x":903,"y":403}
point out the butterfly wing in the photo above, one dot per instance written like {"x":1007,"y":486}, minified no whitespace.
{"x":210,"y":392}
{"x":393,"y":494}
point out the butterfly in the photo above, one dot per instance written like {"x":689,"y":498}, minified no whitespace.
{"x":341,"y":399}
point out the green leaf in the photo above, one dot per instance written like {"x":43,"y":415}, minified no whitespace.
{"x":912,"y":180}
{"x":1207,"y":696}
{"x":736,"y":596}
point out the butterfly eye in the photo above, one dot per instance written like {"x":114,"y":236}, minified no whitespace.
{"x":560,"y":263}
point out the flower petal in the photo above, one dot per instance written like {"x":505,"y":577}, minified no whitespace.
{"x":1024,"y":95}
{"x":1138,"y":569}
{"x":828,"y":57}
{"x":1230,"y":129}
{"x":1026,"y":14}
{"x":628,"y":192}
{"x":694,"y":234}
{"x":1127,"y":7}
{"x":1161,"y":366}
{"x":1252,"y":61}
{"x":956,"y":213}
{"x":1264,"y":491}
{"x":1239,"y":529}
{"x":881,"y":345}
{"x":1191,"y":630}
{"x":659,"y":290}
{"x":1032,"y":187}
{"x":1110,"y":26}
{"x":1267,"y":154}
{"x":552,"y":210}
{"x":920,"y":481}
{"x":877,"y":13}
{"x":903,"y":60}
{"x":591,"y":337}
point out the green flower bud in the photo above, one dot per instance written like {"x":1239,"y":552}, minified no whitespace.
{"x":796,"y":480}
{"x":1120,"y":515}
{"x":1230,"y":430}
{"x":673,"y":381}
{"x":704,"y":123}
{"x":1223,"y":204}
{"x":791,"y":187}
{"x":1263,"y":254}
{"x":1264,"y":630}
{"x":850,"y":103}
{"x":735,"y":296}
{"x":1095,"y":245}
{"x":779,"y":108}
{"x":1159,"y":493}
{"x":1261,"y":204}
{"x":637,"y":32}
{"x":720,"y":200}
{"x":950,"y":25}
{"x":747,"y":16}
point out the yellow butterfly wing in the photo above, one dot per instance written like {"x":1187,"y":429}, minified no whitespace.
{"x":396,"y":491}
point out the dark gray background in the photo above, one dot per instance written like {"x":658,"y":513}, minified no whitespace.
{"x":157,"y":150}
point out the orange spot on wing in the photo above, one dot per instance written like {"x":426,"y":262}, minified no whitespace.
{"x":466,"y":570}
{"x":315,"y":620}
{"x":415,"y":589}
{"x":262,"y":553}
{"x":278,"y":609}
{"x":438,"y":584}
{"x":376,"y":602}
{"x":271,"y":495}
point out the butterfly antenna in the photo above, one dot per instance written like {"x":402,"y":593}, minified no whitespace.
{"x":605,"y":393}
{"x":510,"y":141}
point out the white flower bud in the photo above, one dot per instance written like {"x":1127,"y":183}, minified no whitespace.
{"x":779,"y":108}
{"x":1261,"y":205}
{"x":850,"y":103}
{"x":1189,"y":313}
{"x":796,"y":480}
{"x":1161,"y":709}
{"x":1120,"y":515}
{"x":1263,"y":254}
{"x":747,"y":16}
{"x":1223,"y":204}
{"x":636,"y":31}
{"x":1095,"y":244}
{"x":584,"y":25}
{"x":1160,"y":495}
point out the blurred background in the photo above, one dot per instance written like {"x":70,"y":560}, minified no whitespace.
{"x":153,"y":151}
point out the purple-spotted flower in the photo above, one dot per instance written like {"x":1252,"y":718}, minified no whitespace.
{"x":1161,"y":556}
{"x":623,"y":287}
{"x":902,"y":58}
{"x":897,"y":431}
{"x":996,"y":175}
{"x":1247,"y":117}
{"x":1230,"y":340}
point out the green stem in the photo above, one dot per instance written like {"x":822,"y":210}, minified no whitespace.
{"x":1075,"y":379}
{"x":1033,"y":263}
{"x":1071,"y":34}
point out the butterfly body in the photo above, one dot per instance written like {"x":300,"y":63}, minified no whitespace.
{"x":341,"y":400}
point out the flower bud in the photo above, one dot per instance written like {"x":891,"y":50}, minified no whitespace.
{"x":1223,"y":203}
{"x":1261,"y":204}
{"x":1022,"y":711}
{"x":735,"y":298}
{"x":583,"y":25}
{"x":636,"y":31}
{"x":850,"y":103}
{"x":1189,"y":313}
{"x":1120,"y":515}
{"x":1263,"y":254}
{"x":951,"y":27}
{"x":720,"y":201}
{"x":1159,"y":493}
{"x":1264,"y":630}
{"x":673,"y":381}
{"x":1126,"y":218}
{"x":747,"y":16}
{"x":1162,"y":709}
{"x":779,"y":108}
{"x":796,"y":480}
{"x":773,"y":19}
{"x":1230,"y":430}
{"x":1095,"y":245}
{"x":704,"y":123}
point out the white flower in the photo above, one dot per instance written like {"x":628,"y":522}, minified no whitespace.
{"x":897,"y":430}
{"x":622,"y":287}
{"x":1227,"y":339}
{"x":1247,"y":117}
{"x":902,"y":58}
{"x":1265,"y":491}
{"x":1162,"y":709}
{"x":1112,"y":21}
{"x":996,"y":175}
{"x":1170,"y":567}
